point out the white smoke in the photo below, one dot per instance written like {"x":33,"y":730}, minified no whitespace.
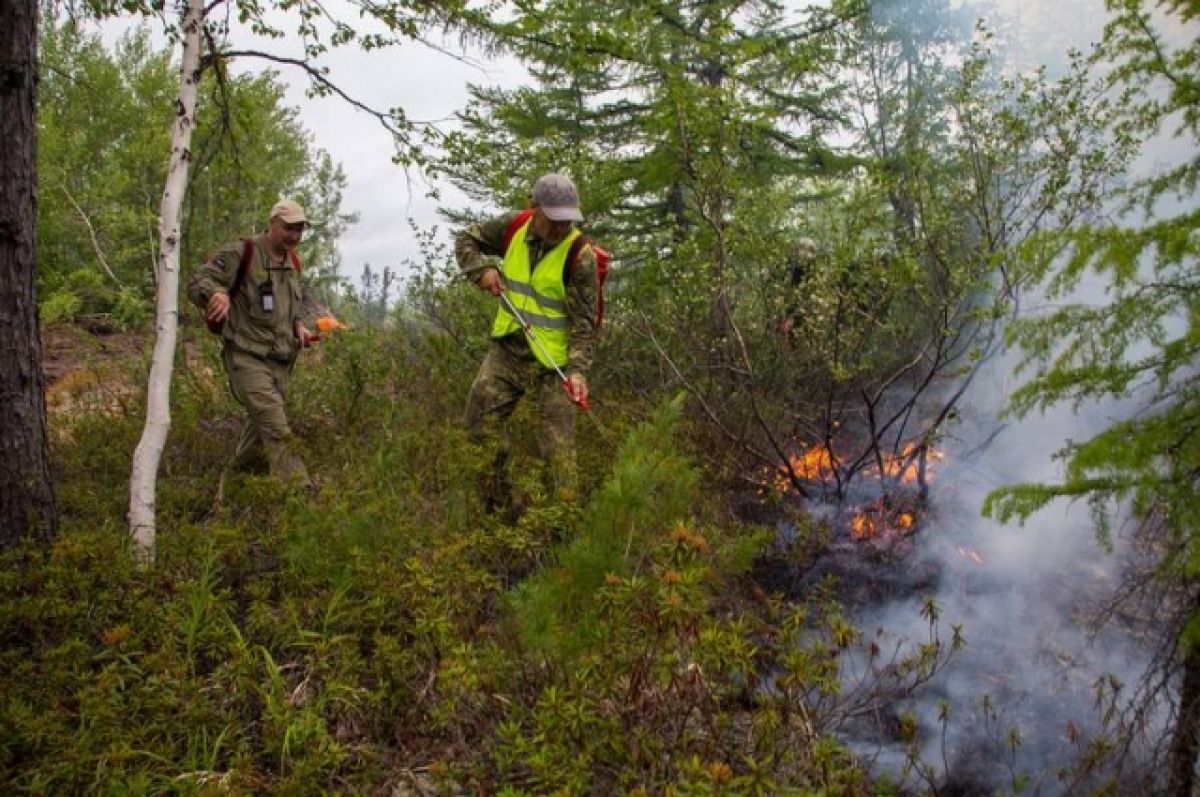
{"x":1022,"y":695}
{"x":1024,"y":596}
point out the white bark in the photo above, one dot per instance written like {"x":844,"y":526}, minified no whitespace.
{"x":143,"y":479}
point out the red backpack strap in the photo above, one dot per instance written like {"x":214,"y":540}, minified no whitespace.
{"x":517,"y":223}
{"x":243,"y":265}
{"x":602,"y":258}
{"x":577,"y":245}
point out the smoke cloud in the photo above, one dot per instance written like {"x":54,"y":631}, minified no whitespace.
{"x":1023,"y":695}
{"x":1023,"y":692}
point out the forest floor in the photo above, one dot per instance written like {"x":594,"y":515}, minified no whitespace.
{"x":91,"y":365}
{"x":86,"y":367}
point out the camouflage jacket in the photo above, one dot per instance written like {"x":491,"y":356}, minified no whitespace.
{"x":250,"y":326}
{"x":480,"y":241}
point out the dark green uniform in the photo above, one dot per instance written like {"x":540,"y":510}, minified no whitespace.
{"x":510,"y":369}
{"x":260,"y":348}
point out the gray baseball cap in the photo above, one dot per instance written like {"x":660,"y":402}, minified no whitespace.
{"x":557,"y":197}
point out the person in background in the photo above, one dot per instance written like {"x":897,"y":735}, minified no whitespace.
{"x":527,"y":262}
{"x":799,"y":264}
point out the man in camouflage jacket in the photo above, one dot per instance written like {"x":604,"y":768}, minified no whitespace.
{"x":512,"y":366}
{"x":266,"y":321}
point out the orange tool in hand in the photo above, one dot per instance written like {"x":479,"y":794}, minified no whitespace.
{"x":328,"y":323}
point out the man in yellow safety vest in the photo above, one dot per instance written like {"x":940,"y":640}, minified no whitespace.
{"x":524,"y":257}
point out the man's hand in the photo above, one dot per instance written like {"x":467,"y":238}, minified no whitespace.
{"x":577,"y":389}
{"x":491,"y":281}
{"x":217,"y":309}
{"x":305,"y":337}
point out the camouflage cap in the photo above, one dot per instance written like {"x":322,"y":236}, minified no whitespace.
{"x":288,"y":211}
{"x":557,"y":196}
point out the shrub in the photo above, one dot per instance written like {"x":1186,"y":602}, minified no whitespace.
{"x":61,"y":305}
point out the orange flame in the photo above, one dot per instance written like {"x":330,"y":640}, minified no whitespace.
{"x":817,"y":463}
{"x":877,"y":519}
{"x":862,"y":527}
{"x":905,"y":466}
{"x":812,"y":464}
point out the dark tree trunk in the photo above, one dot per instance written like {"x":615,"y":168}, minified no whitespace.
{"x":1185,"y":736}
{"x":27,"y":504}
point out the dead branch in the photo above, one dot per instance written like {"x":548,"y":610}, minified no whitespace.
{"x":92,"y":233}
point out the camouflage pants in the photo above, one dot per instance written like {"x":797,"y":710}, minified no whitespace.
{"x":261,"y":385}
{"x":508,"y":372}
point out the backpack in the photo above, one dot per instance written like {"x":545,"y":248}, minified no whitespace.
{"x":215,"y":327}
{"x":603,"y":258}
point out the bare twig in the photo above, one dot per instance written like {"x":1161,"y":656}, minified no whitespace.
{"x":92,"y":233}
{"x":390,"y":120}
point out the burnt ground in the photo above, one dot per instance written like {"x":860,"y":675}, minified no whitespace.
{"x":862,"y":571}
{"x":1040,"y":685}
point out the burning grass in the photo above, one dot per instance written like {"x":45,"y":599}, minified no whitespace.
{"x":824,"y":466}
{"x":879,"y":499}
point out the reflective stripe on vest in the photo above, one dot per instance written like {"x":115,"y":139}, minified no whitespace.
{"x":539,"y":295}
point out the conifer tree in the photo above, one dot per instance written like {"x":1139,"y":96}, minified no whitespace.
{"x":663,"y":112}
{"x":709,"y":138}
{"x":1140,"y":343}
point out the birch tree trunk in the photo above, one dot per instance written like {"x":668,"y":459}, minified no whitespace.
{"x":27,"y":505}
{"x":144,"y":476}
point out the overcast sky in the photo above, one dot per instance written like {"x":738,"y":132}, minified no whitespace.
{"x":430,"y":86}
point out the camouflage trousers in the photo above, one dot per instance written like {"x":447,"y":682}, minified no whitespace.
{"x":267,"y":443}
{"x":508,"y":373}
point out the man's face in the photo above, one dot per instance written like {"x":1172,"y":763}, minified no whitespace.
{"x":548,"y":229}
{"x":286,"y":235}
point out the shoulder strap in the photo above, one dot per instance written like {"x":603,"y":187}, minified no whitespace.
{"x":517,"y":223}
{"x":601,"y":269}
{"x":577,"y":245}
{"x":243,"y":266}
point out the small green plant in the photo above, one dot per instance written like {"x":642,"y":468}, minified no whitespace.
{"x":131,"y":311}
{"x":62,"y":305}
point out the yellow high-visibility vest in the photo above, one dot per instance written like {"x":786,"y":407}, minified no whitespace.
{"x":538,"y":293}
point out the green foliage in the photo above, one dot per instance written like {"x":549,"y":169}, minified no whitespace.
{"x":1137,"y":342}
{"x":103,"y":127}
{"x":1141,"y":340}
{"x":649,"y":491}
{"x":284,"y":645}
{"x":132,"y":311}
{"x":61,"y":305}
